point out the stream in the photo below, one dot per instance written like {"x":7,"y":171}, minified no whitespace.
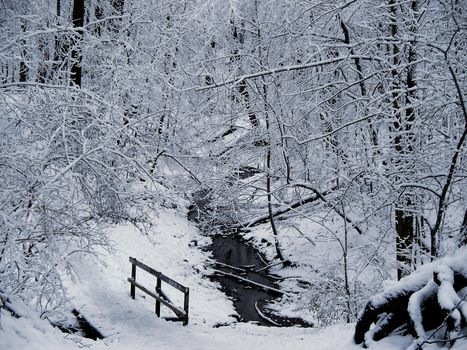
{"x":232,"y":251}
{"x":232,"y":255}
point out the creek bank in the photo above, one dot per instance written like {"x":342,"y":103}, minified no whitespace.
{"x":82,"y":326}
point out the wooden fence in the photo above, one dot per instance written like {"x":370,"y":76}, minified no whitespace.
{"x":159,"y":295}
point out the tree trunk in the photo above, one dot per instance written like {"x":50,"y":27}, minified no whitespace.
{"x":23,"y":68}
{"x":404,"y":239}
{"x":78,"y":22}
{"x":402,"y":127}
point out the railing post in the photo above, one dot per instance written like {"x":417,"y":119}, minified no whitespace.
{"x":158,"y":292}
{"x":186,"y":305}
{"x":133,"y":276}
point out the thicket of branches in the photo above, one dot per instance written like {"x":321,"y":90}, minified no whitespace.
{"x":271,"y":106}
{"x":355,"y":107}
{"x":81,"y":135}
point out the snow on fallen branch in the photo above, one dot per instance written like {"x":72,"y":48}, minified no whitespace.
{"x":418,"y":344}
{"x":229,"y":266}
{"x":265,"y":218}
{"x":264,"y":317}
{"x":422,"y":303}
{"x":272,"y":264}
{"x":256,"y":284}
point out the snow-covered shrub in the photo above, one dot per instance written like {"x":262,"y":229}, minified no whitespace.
{"x":63,"y":179}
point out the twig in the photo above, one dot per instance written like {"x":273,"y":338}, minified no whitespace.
{"x":229,"y":266}
{"x":446,"y":340}
{"x":304,"y":236}
{"x":261,"y":258}
{"x":273,"y":264}
{"x":264,"y":317}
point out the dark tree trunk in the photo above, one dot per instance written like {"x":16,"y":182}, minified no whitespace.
{"x":402,"y":127}
{"x":23,"y":72}
{"x":58,"y":45}
{"x":462,"y":237}
{"x":239,"y":40}
{"x":404,"y":239}
{"x":118,"y":6}
{"x":78,"y":22}
{"x":361,"y":77}
{"x":43,"y":71}
{"x":23,"y":68}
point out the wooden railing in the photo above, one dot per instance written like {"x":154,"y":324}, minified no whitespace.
{"x":159,"y":295}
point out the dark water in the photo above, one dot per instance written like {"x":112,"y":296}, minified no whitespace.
{"x":82,"y":326}
{"x":86,"y":328}
{"x":232,"y":251}
{"x":200,"y":210}
{"x":247,"y":299}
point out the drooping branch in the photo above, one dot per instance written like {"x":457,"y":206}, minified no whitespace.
{"x":340,"y":213}
{"x":264,"y":219}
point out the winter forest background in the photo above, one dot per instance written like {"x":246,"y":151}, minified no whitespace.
{"x":339,"y":126}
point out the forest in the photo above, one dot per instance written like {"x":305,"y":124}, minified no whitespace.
{"x":327,"y":136}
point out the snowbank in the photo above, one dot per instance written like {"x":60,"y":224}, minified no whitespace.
{"x":173,"y":246}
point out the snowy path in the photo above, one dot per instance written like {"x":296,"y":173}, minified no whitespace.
{"x":238,"y":337}
{"x":137,"y":329}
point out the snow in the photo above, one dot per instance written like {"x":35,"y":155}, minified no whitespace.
{"x":416,"y":301}
{"x":314,"y":243}
{"x":173,"y":246}
{"x":436,"y":278}
{"x":137,"y":328}
{"x":417,"y":280}
{"x":168,"y":249}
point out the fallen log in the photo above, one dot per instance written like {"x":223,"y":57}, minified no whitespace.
{"x":429,"y":299}
{"x":272,"y":264}
{"x":256,"y":284}
{"x":265,"y":218}
{"x":248,"y":267}
{"x":230,"y":266}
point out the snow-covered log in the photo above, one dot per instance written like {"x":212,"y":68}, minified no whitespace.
{"x":430,"y":304}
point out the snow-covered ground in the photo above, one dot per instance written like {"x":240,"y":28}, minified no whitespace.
{"x":101,"y":293}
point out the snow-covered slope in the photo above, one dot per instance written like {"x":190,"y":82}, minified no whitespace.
{"x":101,"y":293}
